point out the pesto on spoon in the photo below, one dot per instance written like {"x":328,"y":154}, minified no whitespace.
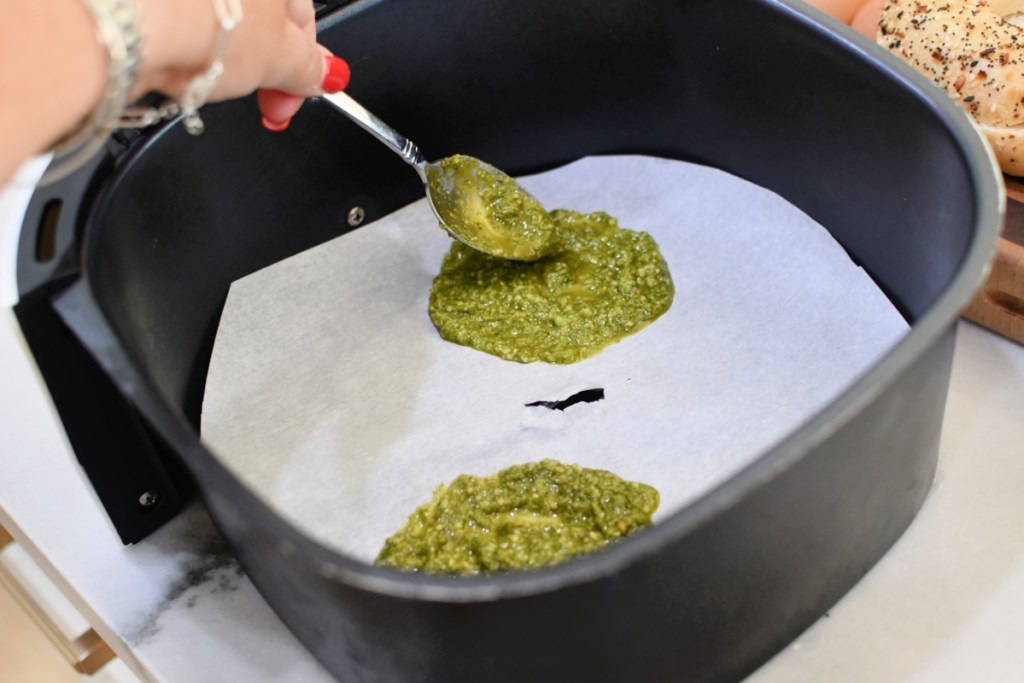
{"x":476,"y":203}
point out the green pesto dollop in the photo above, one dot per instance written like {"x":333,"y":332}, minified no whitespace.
{"x":523,"y":517}
{"x":488,"y":209}
{"x":600,"y":283}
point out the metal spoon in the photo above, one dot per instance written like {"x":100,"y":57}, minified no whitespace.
{"x":476,"y":203}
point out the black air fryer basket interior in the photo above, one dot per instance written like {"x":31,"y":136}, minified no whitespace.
{"x":148,"y":244}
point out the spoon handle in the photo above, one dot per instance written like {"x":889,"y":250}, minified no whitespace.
{"x":398,"y":143}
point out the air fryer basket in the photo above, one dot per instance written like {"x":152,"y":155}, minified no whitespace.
{"x":758,"y":88}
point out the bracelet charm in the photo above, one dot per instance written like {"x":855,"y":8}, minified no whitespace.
{"x":118,"y":30}
{"x":229,"y":15}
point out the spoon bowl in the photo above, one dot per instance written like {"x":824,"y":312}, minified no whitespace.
{"x":476,"y":203}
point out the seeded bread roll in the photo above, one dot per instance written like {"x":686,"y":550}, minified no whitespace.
{"x":971,"y":49}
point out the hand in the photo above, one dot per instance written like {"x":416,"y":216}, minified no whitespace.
{"x":866,"y":18}
{"x":860,"y":14}
{"x":274,"y":48}
{"x":53,"y":68}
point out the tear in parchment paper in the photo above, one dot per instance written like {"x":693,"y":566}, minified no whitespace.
{"x":331,"y":394}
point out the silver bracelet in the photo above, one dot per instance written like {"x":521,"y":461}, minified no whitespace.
{"x":229,"y":15}
{"x":117,"y":29}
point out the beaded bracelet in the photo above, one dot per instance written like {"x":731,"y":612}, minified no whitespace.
{"x":229,"y":15}
{"x":117,"y":29}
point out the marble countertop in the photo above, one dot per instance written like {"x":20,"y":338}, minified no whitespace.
{"x":942,"y":605}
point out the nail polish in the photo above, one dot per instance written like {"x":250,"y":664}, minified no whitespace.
{"x":337,"y":74}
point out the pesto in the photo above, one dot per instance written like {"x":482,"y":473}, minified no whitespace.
{"x":523,"y":517}
{"x":488,"y":209}
{"x":600,"y":283}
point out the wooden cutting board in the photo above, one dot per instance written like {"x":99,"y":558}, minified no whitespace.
{"x":999,"y":305}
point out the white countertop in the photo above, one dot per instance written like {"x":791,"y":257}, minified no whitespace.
{"x":942,"y":605}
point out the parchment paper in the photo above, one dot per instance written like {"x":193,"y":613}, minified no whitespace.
{"x":331,"y":394}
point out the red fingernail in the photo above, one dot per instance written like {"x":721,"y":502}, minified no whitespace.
{"x":276,"y":126}
{"x":338,"y":74}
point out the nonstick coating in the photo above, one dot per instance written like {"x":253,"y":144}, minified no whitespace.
{"x":757,"y":88}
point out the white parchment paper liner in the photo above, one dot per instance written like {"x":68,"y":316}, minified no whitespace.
{"x":332,"y":396}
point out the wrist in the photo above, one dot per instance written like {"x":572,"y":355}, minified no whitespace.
{"x":178,"y":40}
{"x":58,"y":92}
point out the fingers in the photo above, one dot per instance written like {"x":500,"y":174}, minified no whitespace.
{"x":296,"y":64}
{"x":303,"y":15}
{"x":866,"y":19}
{"x":338,"y":75}
{"x":274,"y":49}
{"x":279,"y":102}
{"x":278,"y":108}
{"x":843,"y":10}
